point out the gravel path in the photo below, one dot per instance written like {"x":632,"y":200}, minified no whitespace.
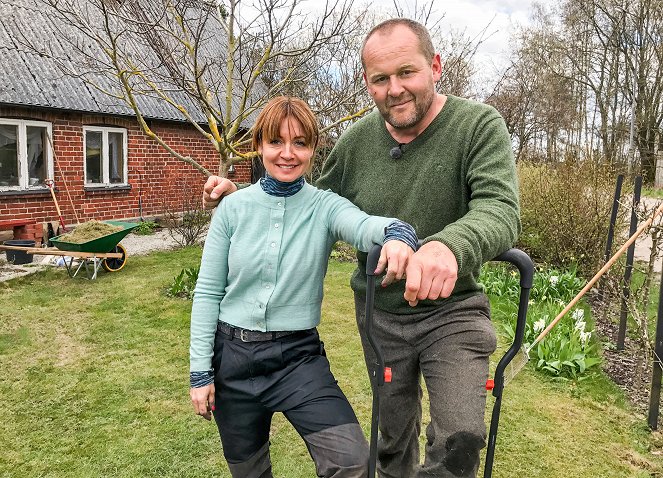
{"x":137,"y":245}
{"x":644,"y":243}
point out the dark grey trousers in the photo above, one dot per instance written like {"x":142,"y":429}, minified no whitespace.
{"x":254,"y":380}
{"x":450,"y":348}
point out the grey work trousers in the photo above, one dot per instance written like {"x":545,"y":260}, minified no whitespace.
{"x":450,"y":347}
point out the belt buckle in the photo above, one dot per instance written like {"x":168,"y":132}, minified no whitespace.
{"x":243,"y":335}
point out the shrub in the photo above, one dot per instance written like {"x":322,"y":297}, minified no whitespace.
{"x":146,"y":228}
{"x":565,"y":212}
{"x":343,"y":252}
{"x":184,"y":283}
{"x":184,"y":216}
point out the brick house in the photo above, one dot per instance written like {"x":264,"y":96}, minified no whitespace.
{"x":103,"y":165}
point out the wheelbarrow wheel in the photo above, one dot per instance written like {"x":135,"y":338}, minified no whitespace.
{"x":115,"y":264}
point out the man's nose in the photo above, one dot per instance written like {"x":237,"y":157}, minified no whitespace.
{"x":395,"y":87}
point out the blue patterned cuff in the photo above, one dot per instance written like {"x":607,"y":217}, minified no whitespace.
{"x":201,"y":379}
{"x":401,"y":231}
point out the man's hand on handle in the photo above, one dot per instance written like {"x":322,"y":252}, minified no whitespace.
{"x":431,"y":273}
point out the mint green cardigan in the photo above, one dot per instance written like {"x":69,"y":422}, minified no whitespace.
{"x":265,"y":259}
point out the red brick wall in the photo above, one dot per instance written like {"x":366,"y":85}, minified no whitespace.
{"x":160,"y":180}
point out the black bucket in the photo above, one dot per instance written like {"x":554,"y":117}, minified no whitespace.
{"x":19,"y":257}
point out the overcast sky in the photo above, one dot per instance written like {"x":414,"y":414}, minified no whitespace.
{"x":499,"y":18}
{"x":473,"y":16}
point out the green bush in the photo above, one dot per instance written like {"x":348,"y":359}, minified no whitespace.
{"x":570,"y":348}
{"x":343,"y":252}
{"x":184,"y":283}
{"x":146,"y":228}
{"x":565,"y":212}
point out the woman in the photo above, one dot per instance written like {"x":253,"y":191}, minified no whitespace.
{"x":254,"y":346}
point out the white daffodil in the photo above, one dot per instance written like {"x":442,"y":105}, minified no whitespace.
{"x":554,"y":280}
{"x":584,"y":337}
{"x":539,"y":325}
{"x":580,"y":326}
{"x":578,"y":314}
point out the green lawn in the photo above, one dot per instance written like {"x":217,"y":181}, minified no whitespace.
{"x":94,"y":383}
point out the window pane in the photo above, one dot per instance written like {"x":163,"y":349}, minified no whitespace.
{"x":8,"y":155}
{"x":37,"y":141}
{"x":116,"y":157}
{"x":93,"y":156}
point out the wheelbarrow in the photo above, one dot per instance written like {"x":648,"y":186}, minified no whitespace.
{"x":382,"y":374}
{"x":90,"y":256}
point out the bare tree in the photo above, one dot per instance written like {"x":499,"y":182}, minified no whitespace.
{"x":604,"y":57}
{"x":211,"y":61}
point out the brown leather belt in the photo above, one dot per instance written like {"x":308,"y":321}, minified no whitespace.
{"x":246,"y":335}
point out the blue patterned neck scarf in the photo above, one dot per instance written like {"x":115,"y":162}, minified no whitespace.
{"x":274,"y":187}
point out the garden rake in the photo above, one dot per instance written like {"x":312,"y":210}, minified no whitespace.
{"x":522,"y":358}
{"x":51,"y":186}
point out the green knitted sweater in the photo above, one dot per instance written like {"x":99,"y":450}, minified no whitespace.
{"x":455,"y":183}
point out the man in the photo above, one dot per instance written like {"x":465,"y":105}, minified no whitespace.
{"x":445,"y":165}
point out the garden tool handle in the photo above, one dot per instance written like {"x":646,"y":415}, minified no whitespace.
{"x":526,"y":269}
{"x":378,"y":370}
{"x":522,"y":261}
{"x":372,"y":264}
{"x":51,"y":187}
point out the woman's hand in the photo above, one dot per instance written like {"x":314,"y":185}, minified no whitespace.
{"x":394,"y":256}
{"x":202,"y":399}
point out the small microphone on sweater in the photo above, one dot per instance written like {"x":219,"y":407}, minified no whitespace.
{"x":397,"y":151}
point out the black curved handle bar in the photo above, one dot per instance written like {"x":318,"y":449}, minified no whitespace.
{"x":525,"y":268}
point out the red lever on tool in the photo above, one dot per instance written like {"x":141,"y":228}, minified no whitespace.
{"x":490,"y":384}
{"x":387,"y":374}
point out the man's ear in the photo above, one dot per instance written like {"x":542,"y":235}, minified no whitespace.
{"x":436,"y":67}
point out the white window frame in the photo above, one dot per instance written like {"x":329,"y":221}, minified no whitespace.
{"x":105,"y":180}
{"x":22,"y":151}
